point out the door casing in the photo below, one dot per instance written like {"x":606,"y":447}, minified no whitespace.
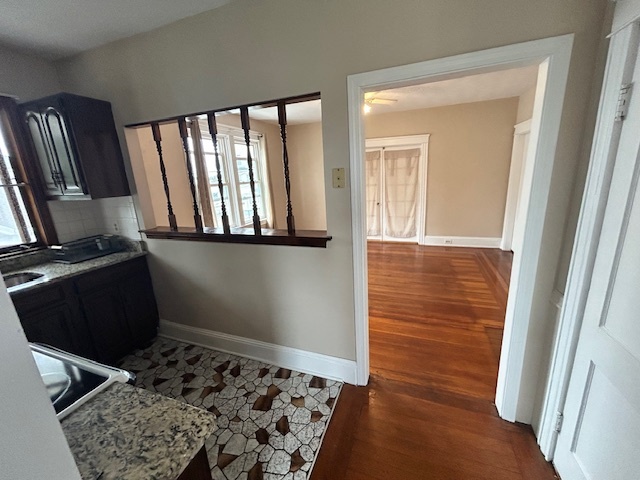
{"x":515,"y":381}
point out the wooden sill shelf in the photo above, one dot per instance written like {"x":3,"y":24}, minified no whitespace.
{"x":302,"y":238}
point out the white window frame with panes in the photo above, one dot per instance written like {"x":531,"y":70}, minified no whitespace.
{"x":234,"y":167}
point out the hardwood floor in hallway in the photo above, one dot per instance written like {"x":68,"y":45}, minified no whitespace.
{"x":436,"y":317}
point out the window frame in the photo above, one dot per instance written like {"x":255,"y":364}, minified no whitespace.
{"x":227,"y":138}
{"x":27,"y":174}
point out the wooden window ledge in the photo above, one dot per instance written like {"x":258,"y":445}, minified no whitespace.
{"x":302,"y":238}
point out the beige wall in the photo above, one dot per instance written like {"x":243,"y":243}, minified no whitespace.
{"x":306,"y":162}
{"x":303,"y":297}
{"x":468,"y":165}
{"x":525,"y":105}
{"x":26,"y":76}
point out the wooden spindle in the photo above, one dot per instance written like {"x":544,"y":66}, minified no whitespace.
{"x":155,"y":128}
{"x":282,"y":120}
{"x":244,"y":116}
{"x":197,"y":219}
{"x":213,"y":130}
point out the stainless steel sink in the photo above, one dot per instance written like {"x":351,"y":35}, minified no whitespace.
{"x":15,"y":279}
{"x":72,"y":380}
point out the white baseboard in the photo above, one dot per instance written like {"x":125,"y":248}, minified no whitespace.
{"x":476,"y":242}
{"x":325,"y":366}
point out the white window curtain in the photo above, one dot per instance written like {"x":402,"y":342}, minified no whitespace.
{"x":373,"y":193}
{"x":401,"y":192}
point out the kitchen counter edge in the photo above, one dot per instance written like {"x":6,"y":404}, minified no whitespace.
{"x":55,"y":272}
{"x":129,"y":433}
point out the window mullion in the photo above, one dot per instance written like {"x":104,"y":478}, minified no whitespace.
{"x":232,"y":174}
{"x":236,"y":180}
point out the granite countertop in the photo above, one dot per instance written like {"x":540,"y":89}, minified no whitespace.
{"x":127,"y":433}
{"x":57,"y":271}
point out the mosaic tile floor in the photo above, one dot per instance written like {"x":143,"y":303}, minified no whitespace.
{"x":270,"y":420}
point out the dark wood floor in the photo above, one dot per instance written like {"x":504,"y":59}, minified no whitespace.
{"x":436,"y":318}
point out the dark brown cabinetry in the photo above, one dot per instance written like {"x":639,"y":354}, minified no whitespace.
{"x":107,"y":322}
{"x":52,"y":325}
{"x":77,"y":146}
{"x":102,"y":315}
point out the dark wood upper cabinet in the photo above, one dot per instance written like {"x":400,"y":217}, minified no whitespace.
{"x":77,"y":146}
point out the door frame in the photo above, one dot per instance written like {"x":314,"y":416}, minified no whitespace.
{"x":601,"y":162}
{"x":514,"y":188}
{"x":423,"y":171}
{"x":553,"y":55}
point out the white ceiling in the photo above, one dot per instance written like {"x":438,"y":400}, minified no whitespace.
{"x":58,"y":28}
{"x":472,"y":88}
{"x":297,"y":113}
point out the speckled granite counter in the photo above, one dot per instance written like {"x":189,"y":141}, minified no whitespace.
{"x":127,"y":433}
{"x":57,"y":271}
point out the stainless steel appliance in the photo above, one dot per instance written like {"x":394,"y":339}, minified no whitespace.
{"x":72,"y":380}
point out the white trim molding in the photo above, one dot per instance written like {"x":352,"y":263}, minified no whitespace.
{"x":553,"y":56}
{"x":326,"y":366}
{"x":475,"y":242}
{"x":522,"y":127}
{"x":515,"y":186}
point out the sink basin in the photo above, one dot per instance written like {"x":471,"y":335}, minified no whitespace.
{"x":15,"y":279}
{"x":71,"y":380}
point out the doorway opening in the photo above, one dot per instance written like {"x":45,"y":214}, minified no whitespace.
{"x":552,"y":57}
{"x":436,"y":313}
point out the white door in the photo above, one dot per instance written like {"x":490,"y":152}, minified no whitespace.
{"x":600,"y":438}
{"x":518,"y":190}
{"x":524,"y":193}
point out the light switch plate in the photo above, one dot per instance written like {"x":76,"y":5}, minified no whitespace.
{"x":338,"y":178}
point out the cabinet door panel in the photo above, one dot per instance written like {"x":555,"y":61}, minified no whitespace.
{"x":104,"y":312}
{"x":45,"y":158}
{"x":63,"y":150}
{"x":52,"y":326}
{"x":140,"y":305}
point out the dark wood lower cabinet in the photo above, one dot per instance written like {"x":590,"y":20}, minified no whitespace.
{"x":140,"y":307}
{"x":106,"y":319}
{"x":102,"y":315}
{"x":51,"y":325}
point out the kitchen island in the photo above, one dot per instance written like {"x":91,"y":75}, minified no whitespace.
{"x":128,"y":433}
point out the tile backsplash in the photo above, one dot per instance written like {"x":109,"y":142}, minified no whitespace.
{"x":76,"y":219}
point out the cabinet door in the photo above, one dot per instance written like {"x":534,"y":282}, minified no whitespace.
{"x":140,"y":306}
{"x":104,"y":312}
{"x":63,"y":150}
{"x":45,"y":156}
{"x":53,"y":326}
